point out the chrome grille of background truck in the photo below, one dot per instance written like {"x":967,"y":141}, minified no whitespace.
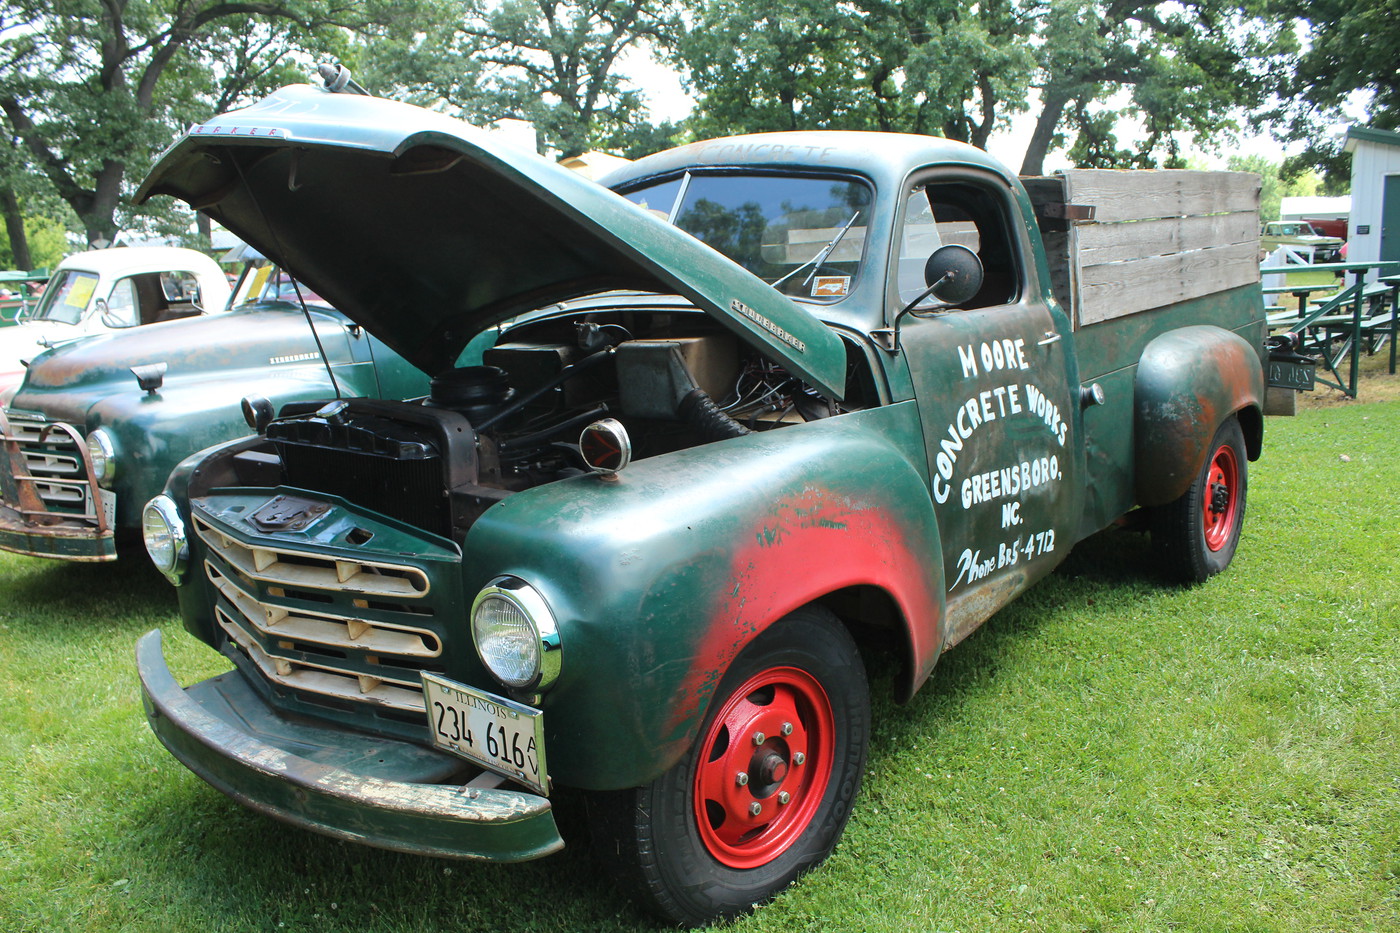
{"x":360,"y":643}
{"x":49,"y":461}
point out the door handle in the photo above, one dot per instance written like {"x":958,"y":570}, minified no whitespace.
{"x":1050,"y":337}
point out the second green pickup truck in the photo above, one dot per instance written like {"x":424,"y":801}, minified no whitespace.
{"x":766,"y":401}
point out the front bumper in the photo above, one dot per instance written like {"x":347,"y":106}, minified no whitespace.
{"x":64,"y":540}
{"x":380,"y":792}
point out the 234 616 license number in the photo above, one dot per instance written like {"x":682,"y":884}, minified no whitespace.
{"x":499,"y":734}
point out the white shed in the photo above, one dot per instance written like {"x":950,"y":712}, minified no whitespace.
{"x":1375,"y":194}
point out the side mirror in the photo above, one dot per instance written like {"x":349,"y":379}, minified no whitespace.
{"x":105,"y":315}
{"x":953,"y":274}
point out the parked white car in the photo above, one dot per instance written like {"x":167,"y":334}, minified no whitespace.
{"x":112,"y":289}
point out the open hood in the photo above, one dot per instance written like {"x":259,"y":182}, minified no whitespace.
{"x":427,"y":230}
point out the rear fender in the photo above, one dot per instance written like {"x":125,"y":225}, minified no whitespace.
{"x":1188,"y":382}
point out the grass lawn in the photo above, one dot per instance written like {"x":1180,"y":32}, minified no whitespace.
{"x":1106,"y":754}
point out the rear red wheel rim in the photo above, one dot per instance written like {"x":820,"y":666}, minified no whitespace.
{"x":768,"y":749}
{"x":1222,"y":498}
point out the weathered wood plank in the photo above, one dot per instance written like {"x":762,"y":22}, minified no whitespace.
{"x":1113,"y":290}
{"x":1140,"y":194}
{"x":1116,"y":242}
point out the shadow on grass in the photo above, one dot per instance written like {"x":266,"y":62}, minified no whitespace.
{"x":199,"y":856}
{"x":1111,"y":560}
{"x":83,"y":594}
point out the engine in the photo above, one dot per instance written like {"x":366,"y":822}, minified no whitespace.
{"x":487,"y":431}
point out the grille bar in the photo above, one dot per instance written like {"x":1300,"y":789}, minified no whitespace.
{"x":297,"y":569}
{"x":325,"y":681}
{"x":343,"y":633}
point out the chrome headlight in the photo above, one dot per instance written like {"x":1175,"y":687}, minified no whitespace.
{"x":164,"y":533}
{"x":104,"y":457}
{"x":515,"y":634}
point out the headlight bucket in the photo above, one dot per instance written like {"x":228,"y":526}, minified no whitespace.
{"x":515,"y":634}
{"x":103,"y":454}
{"x":163,"y":531}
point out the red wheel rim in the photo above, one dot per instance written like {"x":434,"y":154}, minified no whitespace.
{"x":1222,"y":499}
{"x":764,"y":765}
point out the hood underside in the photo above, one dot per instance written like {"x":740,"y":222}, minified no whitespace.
{"x":426,"y":230}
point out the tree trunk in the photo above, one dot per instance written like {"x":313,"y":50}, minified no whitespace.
{"x":1051,"y":109}
{"x":14,"y":226}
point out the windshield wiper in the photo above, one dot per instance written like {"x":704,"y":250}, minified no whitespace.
{"x":816,"y":261}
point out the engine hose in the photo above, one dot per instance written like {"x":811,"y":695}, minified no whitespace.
{"x":702,"y":414}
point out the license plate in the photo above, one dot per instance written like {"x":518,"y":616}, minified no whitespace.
{"x":107,"y":502}
{"x":499,"y":734}
{"x":1284,"y":374}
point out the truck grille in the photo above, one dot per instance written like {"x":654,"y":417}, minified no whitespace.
{"x":47,"y":464}
{"x":326,"y":634}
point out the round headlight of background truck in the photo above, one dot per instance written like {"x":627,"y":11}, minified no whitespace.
{"x":515,"y":634}
{"x":164,"y":533}
{"x":103,"y":456}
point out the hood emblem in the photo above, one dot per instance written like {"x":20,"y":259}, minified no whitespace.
{"x":738,"y":307}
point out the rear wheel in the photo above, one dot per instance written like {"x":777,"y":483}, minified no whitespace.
{"x":765,"y":791}
{"x":1195,"y":537}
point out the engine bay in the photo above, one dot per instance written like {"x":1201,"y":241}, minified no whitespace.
{"x":671,"y":380}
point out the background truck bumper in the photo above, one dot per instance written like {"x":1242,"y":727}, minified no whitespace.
{"x":77,"y":540}
{"x":335,"y":781}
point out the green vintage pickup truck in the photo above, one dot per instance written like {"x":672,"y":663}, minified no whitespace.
{"x":766,"y":401}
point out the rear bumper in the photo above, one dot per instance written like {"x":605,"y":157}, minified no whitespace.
{"x":349,"y":785}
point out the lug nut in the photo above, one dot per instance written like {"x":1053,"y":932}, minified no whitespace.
{"x":759,"y":738}
{"x":784,"y":797}
{"x":799,"y":758}
{"x":741,"y":778}
{"x":755,"y":808}
{"x":787,"y":728}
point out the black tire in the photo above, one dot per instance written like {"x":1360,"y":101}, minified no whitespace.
{"x":680,"y":845}
{"x":1195,"y":537}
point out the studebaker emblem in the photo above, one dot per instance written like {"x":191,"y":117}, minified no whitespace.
{"x":739,"y":307}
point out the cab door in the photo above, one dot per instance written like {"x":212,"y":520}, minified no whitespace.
{"x":995,"y":385}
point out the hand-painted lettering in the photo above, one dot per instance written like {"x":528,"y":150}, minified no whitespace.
{"x":968,"y":357}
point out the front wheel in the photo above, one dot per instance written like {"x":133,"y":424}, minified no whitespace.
{"x":1195,"y":537}
{"x":766,"y":789}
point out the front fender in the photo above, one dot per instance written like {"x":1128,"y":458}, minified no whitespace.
{"x":659,"y":579}
{"x":1188,"y":382}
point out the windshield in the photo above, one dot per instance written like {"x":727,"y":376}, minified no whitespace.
{"x":262,"y":281}
{"x":66,"y":297}
{"x":803,"y":235}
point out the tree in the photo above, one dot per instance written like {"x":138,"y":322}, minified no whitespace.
{"x":1351,"y":57}
{"x":956,"y":68}
{"x":552,"y":62}
{"x":1188,"y":68}
{"x":93,"y":88}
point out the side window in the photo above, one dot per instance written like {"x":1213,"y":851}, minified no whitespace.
{"x":180,"y":288}
{"x":967,"y":214}
{"x":122,"y":305}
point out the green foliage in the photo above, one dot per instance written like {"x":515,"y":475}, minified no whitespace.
{"x":551,"y":62}
{"x":1104,"y":754}
{"x":1181,"y":70}
{"x":48,"y":244}
{"x":1351,"y":57}
{"x":93,"y":90}
{"x":957,"y":69}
